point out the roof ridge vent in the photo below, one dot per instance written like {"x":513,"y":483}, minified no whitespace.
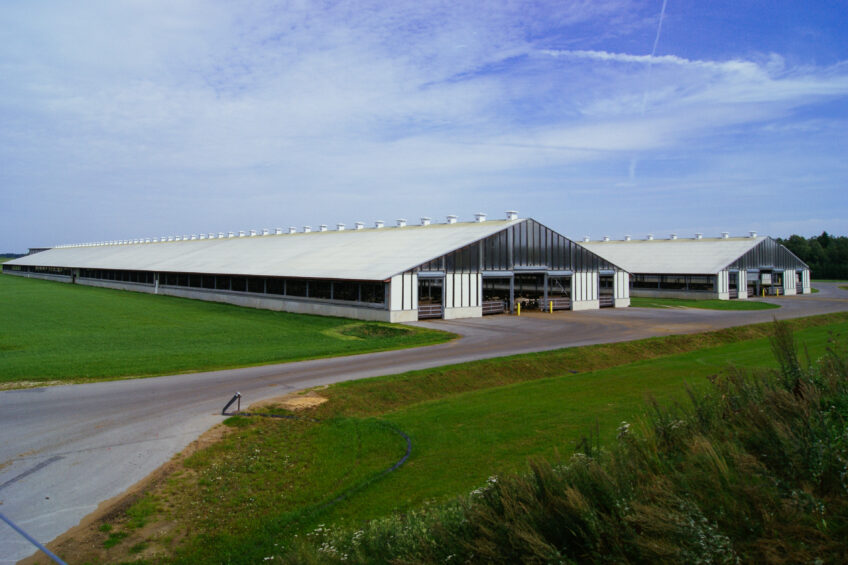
{"x":753,"y":234}
{"x":292,"y":229}
{"x":425,"y":221}
{"x":627,"y":238}
{"x":252,"y":233}
{"x":451,"y":219}
{"x":725,"y":235}
{"x":699,"y":236}
{"x":307,"y":229}
{"x":266,"y":231}
{"x":401,"y":222}
{"x":511,"y":215}
{"x":322,"y":227}
{"x":340,"y":227}
{"x":672,"y":236}
{"x":379,"y":224}
{"x":278,"y":231}
{"x":650,"y":237}
{"x":241,"y":233}
{"x":479,"y":217}
{"x":359,"y":225}
{"x":606,"y":238}
{"x":586,"y":239}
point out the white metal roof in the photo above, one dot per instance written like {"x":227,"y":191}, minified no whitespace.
{"x":365,"y":254}
{"x":674,"y":256}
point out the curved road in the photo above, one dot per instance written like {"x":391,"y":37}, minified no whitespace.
{"x":65,"y":449}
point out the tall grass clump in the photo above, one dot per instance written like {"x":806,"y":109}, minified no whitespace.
{"x":753,"y":470}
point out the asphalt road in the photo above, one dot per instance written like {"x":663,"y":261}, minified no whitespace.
{"x":65,"y":449}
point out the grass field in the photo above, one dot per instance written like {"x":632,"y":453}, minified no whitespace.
{"x":711,"y":304}
{"x":61,"y":332}
{"x":466,"y":422}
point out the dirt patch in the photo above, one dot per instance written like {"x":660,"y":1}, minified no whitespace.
{"x":294,"y":401}
{"x":88,"y":541}
{"x":29,"y":384}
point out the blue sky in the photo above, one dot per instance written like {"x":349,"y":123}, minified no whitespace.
{"x":130,"y":119}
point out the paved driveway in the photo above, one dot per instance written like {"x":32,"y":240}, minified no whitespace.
{"x":65,"y":449}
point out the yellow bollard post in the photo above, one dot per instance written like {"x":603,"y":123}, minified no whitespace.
{"x":552,"y":306}
{"x":518,"y":307}
{"x":764,"y":293}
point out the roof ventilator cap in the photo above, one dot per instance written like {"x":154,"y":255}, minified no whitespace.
{"x":650,"y":237}
{"x":241,"y":233}
{"x":451,"y":219}
{"x":252,"y":233}
{"x":231,"y":234}
{"x":699,"y":236}
{"x":586,"y":239}
{"x":672,"y":236}
{"x":340,"y":227}
{"x":479,"y":217}
{"x":725,"y":235}
{"x":220,"y":235}
{"x":627,"y":238}
{"x":425,"y":221}
{"x":606,"y":238}
{"x":753,"y":234}
{"x":359,"y":225}
{"x":266,"y":231}
{"x":379,"y":224}
{"x":511,"y":215}
{"x":292,"y":229}
{"x":307,"y":229}
{"x":401,"y":222}
{"x":322,"y":227}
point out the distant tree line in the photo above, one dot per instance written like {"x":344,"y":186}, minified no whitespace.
{"x":826,"y":255}
{"x":10,"y":255}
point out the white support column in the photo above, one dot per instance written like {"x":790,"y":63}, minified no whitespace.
{"x":805,"y":282}
{"x":448,"y":291}
{"x":585,"y":291}
{"x":789,"y":282}
{"x":621,"y":284}
{"x":723,"y":285}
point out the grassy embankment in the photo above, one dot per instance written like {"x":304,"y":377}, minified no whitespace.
{"x":751,"y":470}
{"x":241,"y":499}
{"x":716,"y":304}
{"x":61,"y":332}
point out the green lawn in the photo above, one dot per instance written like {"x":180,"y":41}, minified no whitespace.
{"x":61,"y":332}
{"x":467,"y":422}
{"x":712,"y":304}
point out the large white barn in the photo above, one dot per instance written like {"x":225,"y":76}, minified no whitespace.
{"x":724,"y":267}
{"x":400,"y":273}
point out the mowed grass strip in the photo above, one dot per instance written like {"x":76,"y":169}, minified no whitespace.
{"x":710,"y":304}
{"x":56,"y":331}
{"x":467,"y":422}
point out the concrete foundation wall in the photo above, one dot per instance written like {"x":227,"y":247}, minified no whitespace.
{"x":621,"y":303}
{"x":586,"y":305}
{"x":463,"y":312}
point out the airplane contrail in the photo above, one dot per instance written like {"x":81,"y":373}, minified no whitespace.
{"x":633,"y":161}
